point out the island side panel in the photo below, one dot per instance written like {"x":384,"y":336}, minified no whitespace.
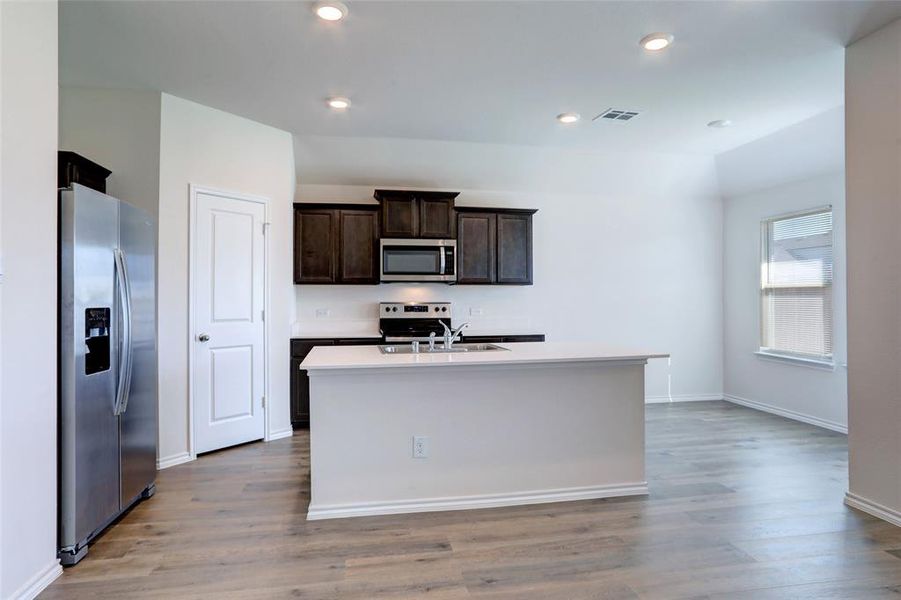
{"x":497,"y":435}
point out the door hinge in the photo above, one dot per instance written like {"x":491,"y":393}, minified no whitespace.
{"x":264,"y":401}
{"x":263,"y":315}
{"x":266,"y":228}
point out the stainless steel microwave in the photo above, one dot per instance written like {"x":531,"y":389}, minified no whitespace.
{"x":418,"y":260}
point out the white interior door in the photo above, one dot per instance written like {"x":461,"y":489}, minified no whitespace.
{"x":228,"y":303}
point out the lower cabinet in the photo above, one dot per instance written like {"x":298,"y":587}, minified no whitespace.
{"x":502,"y":339}
{"x":300,"y":382}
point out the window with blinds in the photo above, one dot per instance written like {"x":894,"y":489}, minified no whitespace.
{"x":796,"y":285}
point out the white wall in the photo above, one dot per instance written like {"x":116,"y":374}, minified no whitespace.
{"x":211,"y":148}
{"x":119,"y":129}
{"x":627,"y":247}
{"x":797,"y":168}
{"x":873,"y":126}
{"x":28,"y":117}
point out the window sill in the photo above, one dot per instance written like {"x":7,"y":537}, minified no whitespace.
{"x":812,"y":363}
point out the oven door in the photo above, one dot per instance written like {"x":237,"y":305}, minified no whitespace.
{"x":418,"y":260}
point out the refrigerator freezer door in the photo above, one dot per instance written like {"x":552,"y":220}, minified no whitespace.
{"x":89,"y":432}
{"x":138,"y":421}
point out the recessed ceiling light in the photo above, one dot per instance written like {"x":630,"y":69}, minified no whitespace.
{"x":568,"y":117}
{"x":338,"y":103}
{"x":720,"y":123}
{"x":330,"y":11}
{"x":656,"y":41}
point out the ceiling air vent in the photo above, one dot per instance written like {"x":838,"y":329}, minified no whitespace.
{"x":616,"y":115}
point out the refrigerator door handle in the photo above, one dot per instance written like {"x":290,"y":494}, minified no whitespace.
{"x":125,"y":360}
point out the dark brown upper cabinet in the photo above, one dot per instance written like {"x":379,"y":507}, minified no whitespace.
{"x":315,"y":245}
{"x":412,"y":214}
{"x":514,"y":248}
{"x":358,"y":233}
{"x":336,"y":244}
{"x":476,"y":259}
{"x":436,"y":217}
{"x":494,"y":246}
{"x":400,"y":219}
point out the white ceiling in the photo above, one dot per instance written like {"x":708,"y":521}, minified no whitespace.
{"x":495,"y":72}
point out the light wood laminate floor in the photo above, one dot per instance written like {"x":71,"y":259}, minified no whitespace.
{"x":743,"y":505}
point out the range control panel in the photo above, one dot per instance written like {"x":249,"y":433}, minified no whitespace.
{"x":414,"y":310}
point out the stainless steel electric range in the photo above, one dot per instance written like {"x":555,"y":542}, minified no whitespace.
{"x":413,"y":321}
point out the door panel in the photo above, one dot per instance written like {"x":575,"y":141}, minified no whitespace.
{"x":400,"y":219}
{"x":359,"y":246}
{"x":228,"y":276}
{"x":300,"y":381}
{"x":476,"y":244}
{"x":231,"y":373}
{"x":315,"y":245}
{"x":436,"y":218}
{"x":138,"y":425}
{"x":232,"y":293}
{"x":514,"y":248}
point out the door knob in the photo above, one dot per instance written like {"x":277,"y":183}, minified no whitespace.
{"x":203,"y":337}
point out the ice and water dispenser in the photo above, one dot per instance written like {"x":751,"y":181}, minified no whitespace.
{"x":97,"y":340}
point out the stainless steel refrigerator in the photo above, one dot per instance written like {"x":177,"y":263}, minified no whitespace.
{"x":107,"y":363}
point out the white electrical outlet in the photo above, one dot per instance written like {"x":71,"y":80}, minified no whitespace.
{"x":420,"y":446}
{"x":322,"y":313}
{"x":476,"y":312}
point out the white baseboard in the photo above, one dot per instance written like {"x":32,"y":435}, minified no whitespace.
{"x":368,"y":509}
{"x":171,"y":461}
{"x":682,"y":398}
{"x":39,"y":582}
{"x":873,"y":508}
{"x":788,"y":414}
{"x":283,"y":433}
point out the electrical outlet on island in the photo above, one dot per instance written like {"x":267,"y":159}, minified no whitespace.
{"x":420,"y":446}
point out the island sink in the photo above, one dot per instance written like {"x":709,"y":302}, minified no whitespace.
{"x":424,"y":349}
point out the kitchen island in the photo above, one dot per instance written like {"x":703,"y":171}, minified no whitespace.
{"x":529,"y":423}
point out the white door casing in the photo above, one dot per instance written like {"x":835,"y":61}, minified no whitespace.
{"x":228,"y":331}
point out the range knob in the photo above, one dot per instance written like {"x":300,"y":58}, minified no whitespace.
{"x":443,"y":309}
{"x":394,"y":309}
{"x":437,"y":309}
{"x":387,"y":309}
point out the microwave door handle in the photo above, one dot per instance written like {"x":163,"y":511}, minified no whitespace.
{"x":442,"y":267}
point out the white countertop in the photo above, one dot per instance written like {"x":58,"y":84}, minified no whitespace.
{"x":369,"y":357}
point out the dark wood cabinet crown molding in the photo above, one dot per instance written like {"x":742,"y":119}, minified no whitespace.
{"x":335,"y":205}
{"x":75,"y":168}
{"x":488,"y":209}
{"x":430,"y":194}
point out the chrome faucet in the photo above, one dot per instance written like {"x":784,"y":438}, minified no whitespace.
{"x":452,"y":335}
{"x":432,"y":341}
